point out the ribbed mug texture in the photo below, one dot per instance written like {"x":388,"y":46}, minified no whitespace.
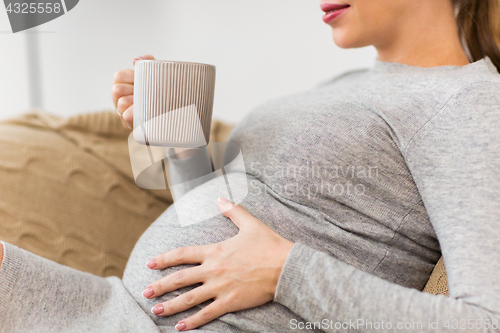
{"x":173,"y":103}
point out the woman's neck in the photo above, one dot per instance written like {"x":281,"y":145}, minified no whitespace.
{"x":425,"y":40}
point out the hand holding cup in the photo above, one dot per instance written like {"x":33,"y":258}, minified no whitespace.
{"x":122,"y":93}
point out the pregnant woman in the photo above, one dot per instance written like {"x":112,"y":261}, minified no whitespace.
{"x":355,"y":189}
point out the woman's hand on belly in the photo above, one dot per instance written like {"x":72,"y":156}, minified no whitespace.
{"x":239,"y":273}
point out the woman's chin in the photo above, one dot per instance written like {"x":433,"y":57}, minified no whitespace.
{"x":344,"y":41}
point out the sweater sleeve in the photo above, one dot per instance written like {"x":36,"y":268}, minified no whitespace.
{"x":455,"y":162}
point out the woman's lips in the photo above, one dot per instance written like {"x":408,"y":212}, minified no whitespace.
{"x":333,"y":10}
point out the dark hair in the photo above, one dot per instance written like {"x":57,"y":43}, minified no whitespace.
{"x":478,"y":24}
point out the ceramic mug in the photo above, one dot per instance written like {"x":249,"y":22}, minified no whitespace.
{"x":173,"y":103}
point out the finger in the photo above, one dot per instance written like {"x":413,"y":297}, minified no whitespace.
{"x":238,"y":215}
{"x":181,"y":255}
{"x":183,"y":302}
{"x":144,"y":57}
{"x":124,"y":103}
{"x":128,"y":116}
{"x":120,"y":90}
{"x":224,"y":205}
{"x":210,"y":312}
{"x":124,"y":76}
{"x":183,"y":278}
{"x":124,"y":123}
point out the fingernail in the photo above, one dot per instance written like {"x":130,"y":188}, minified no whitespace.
{"x":152,"y":263}
{"x":223,"y":201}
{"x":157,"y":309}
{"x":180,"y":326}
{"x":148,"y":292}
{"x":138,"y":58}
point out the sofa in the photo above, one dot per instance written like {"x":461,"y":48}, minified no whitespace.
{"x":68,"y":193}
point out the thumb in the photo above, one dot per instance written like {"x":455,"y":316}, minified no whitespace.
{"x":238,"y":215}
{"x":144,"y":57}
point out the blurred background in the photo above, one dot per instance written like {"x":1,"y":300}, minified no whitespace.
{"x":262,"y":49}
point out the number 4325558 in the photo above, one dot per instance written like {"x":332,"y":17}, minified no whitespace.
{"x":34,"y":8}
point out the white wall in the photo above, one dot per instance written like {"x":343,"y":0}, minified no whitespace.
{"x":262,"y":49}
{"x":14,"y":94}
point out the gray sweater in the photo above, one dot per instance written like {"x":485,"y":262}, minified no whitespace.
{"x":372,"y":174}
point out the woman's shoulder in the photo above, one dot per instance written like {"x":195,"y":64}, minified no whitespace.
{"x":476,"y":97}
{"x":470,"y":117}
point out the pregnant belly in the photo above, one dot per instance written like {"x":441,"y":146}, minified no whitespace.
{"x":168,"y":233}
